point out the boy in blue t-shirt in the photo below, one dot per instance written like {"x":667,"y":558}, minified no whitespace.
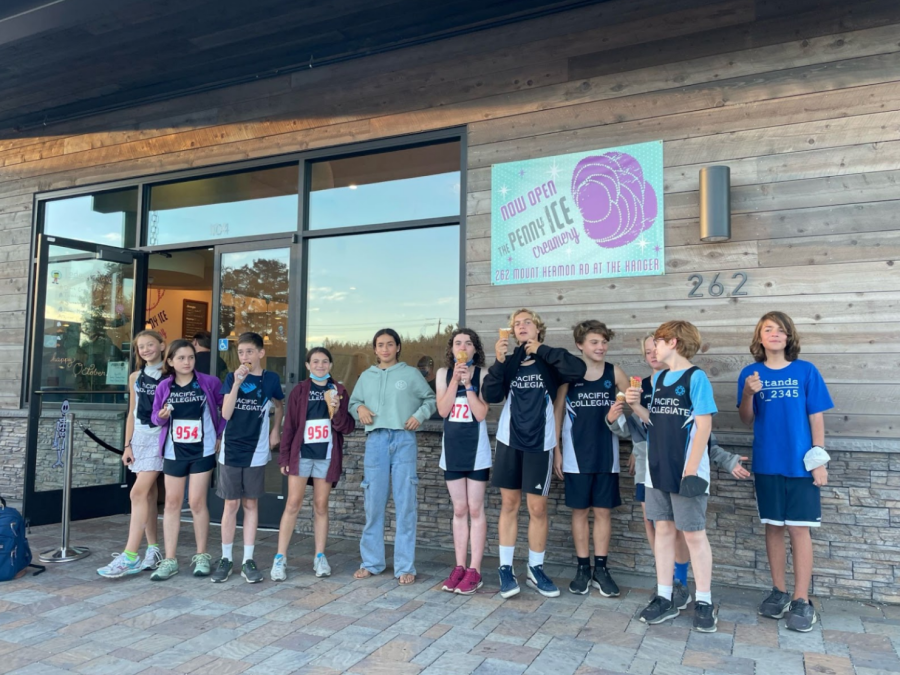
{"x":677,"y":476}
{"x":784,"y":399}
{"x":250,"y":394}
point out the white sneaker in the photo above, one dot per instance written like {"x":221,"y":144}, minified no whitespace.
{"x":152,"y":558}
{"x":279,"y":569}
{"x":321,"y":566}
{"x":120,"y":566}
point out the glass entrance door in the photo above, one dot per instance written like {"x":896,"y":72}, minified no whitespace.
{"x":83,"y":326}
{"x":253,"y":289}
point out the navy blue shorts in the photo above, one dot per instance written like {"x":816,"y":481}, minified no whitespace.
{"x":640,"y":492}
{"x":592,"y":490}
{"x":781,"y":500}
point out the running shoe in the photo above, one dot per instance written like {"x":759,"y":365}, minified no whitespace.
{"x":659,"y":610}
{"x":251,"y":572}
{"x":801,"y":616}
{"x":222,"y":571}
{"x":167,"y":569}
{"x":152,"y":558}
{"x":509,"y":585}
{"x":201,"y":563}
{"x":681,"y":596}
{"x":604,"y":583}
{"x":470,"y":583}
{"x":321,"y":566}
{"x":451,"y":582}
{"x":279,"y":568}
{"x":581,"y":584}
{"x":775,"y":605}
{"x":120,"y":566}
{"x":705,"y":617}
{"x":541,"y":582}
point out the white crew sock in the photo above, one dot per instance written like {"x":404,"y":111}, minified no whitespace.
{"x":248,"y":552}
{"x":704,"y":597}
{"x":228,"y":551}
{"x":506,"y":555}
{"x":535,"y":558}
{"x":664,"y":591}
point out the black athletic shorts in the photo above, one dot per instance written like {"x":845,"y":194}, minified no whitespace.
{"x":179,"y":468}
{"x":782,"y":500}
{"x":527,"y":471}
{"x":481,"y":475}
{"x":592,"y":490}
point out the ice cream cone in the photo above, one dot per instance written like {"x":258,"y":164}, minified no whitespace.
{"x":462,"y":357}
{"x":620,"y":397}
{"x":636,"y":382}
{"x":335,"y":398}
{"x":504,"y":333}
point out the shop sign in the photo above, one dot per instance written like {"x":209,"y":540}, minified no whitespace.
{"x":585,"y":215}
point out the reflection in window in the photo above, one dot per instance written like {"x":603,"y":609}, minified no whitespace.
{"x":406,"y":280}
{"x":85,"y":339}
{"x":104,"y":218}
{"x":255,"y":299}
{"x":386,"y":187}
{"x":235,"y":205}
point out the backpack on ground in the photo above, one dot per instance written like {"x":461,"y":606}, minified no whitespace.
{"x":15,"y":554}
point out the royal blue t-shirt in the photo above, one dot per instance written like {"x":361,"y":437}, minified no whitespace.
{"x":781,"y":431}
{"x":246,"y":438}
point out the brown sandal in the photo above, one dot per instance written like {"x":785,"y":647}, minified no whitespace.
{"x":406,"y":579}
{"x":363,"y":573}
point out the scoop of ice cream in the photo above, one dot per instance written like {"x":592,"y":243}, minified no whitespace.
{"x":617,"y":204}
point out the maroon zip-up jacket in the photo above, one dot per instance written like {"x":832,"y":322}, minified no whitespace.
{"x":295,"y":421}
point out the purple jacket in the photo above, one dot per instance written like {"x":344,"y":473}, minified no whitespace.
{"x":211,"y":386}
{"x":295,"y":421}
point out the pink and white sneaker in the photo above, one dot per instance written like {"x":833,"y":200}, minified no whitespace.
{"x":451,"y":582}
{"x":470,"y":583}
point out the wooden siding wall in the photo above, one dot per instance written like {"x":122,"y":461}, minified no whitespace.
{"x":800,"y":99}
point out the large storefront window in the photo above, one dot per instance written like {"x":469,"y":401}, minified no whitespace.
{"x":386,"y":187}
{"x":224,"y":207}
{"x":108,"y":218}
{"x":407,"y":280}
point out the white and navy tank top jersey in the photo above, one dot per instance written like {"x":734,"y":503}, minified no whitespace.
{"x":191,"y":432}
{"x":526,"y":421}
{"x":671,"y":433}
{"x":465,"y":445}
{"x":246,"y":438}
{"x":588,"y":444}
{"x":317,"y":442}
{"x":144,"y":390}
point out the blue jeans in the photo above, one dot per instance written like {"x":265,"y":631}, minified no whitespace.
{"x":390,"y":454}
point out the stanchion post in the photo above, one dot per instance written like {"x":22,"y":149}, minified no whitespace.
{"x":65,"y":553}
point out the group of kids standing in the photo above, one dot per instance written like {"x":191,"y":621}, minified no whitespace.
{"x":561,"y":415}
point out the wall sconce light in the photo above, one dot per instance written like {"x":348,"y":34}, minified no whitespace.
{"x":715,"y":204}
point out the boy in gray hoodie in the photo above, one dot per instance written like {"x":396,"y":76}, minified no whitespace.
{"x":391,"y":399}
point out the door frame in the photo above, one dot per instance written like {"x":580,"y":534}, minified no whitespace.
{"x":42,"y":508}
{"x":271,"y":506}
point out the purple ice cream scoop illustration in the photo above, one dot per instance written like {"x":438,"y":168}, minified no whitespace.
{"x":617,"y":204}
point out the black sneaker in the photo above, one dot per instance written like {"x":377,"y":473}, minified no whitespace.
{"x":800,"y":616}
{"x":251,"y":572}
{"x":581,"y":584}
{"x":705,"y":617}
{"x":659,"y":610}
{"x":681,"y":596}
{"x":775,"y":605}
{"x":604,"y":583}
{"x":222,"y":571}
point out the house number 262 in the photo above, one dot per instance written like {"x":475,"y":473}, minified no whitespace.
{"x":716,"y":288}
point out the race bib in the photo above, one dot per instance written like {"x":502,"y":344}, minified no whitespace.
{"x":461,"y":412}
{"x":317,"y":431}
{"x":187,"y":431}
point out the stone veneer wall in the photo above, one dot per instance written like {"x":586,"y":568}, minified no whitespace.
{"x":857,"y":548}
